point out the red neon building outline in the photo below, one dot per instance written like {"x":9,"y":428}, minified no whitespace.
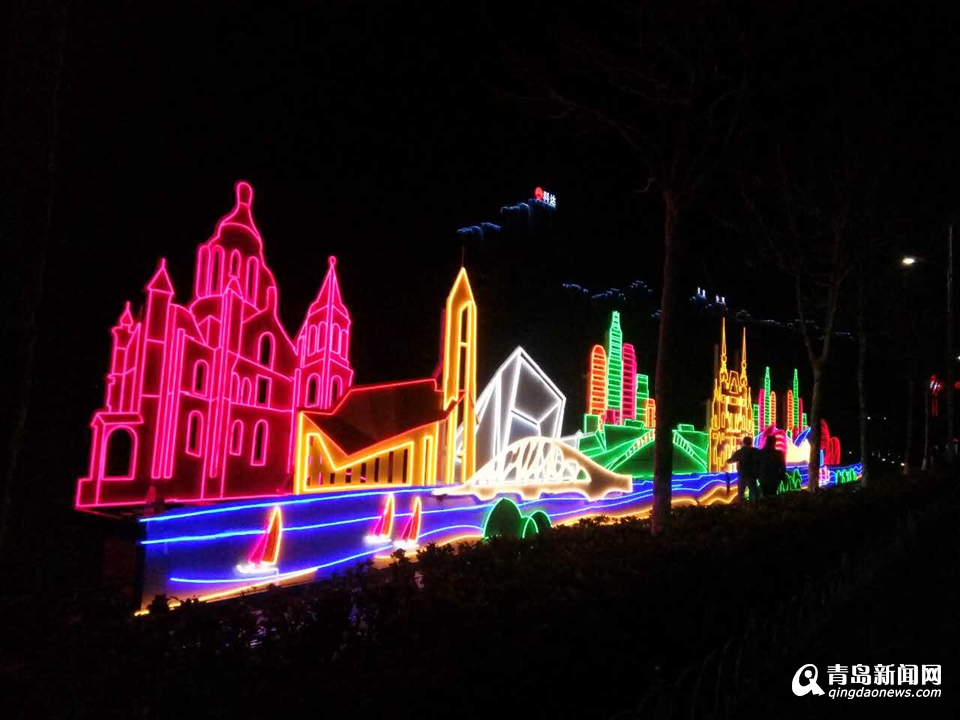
{"x":221,"y":364}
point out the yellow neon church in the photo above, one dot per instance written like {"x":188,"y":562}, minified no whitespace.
{"x":401,"y":433}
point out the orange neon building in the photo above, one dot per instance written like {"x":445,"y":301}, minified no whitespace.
{"x":400,"y":433}
{"x":731,"y":412}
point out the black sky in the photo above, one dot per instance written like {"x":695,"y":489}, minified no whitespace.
{"x":373,"y":131}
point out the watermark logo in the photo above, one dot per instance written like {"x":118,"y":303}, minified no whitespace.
{"x":805,"y":681}
{"x":867,"y":681}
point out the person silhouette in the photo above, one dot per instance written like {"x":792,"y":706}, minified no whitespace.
{"x":748,"y":466}
{"x":773,"y":469}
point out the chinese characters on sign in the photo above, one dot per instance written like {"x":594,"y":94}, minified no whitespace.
{"x":883,"y":675}
{"x":545,"y":197}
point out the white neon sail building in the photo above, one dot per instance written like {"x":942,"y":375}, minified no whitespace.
{"x":520,"y":401}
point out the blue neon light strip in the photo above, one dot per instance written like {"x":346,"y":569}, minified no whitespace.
{"x":282,"y":576}
{"x":477,"y":528}
{"x":344,"y":495}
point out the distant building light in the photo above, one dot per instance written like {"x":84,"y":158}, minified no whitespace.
{"x":545,"y":197}
{"x":908,"y":260}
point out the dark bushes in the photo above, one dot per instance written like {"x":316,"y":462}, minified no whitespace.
{"x":579,"y":620}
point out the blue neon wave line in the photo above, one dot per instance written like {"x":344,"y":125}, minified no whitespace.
{"x":297,"y":528}
{"x":241,"y":533}
{"x":281,"y":576}
{"x":449,"y":528}
{"x":711,"y":479}
{"x":343,"y":495}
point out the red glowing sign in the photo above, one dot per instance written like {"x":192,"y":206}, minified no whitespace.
{"x":200,"y":398}
{"x":545,"y":197}
{"x":936,"y":387}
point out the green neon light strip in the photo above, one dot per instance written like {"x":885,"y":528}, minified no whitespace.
{"x":614,"y":363}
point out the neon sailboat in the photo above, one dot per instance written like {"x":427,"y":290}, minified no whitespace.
{"x":383,"y":530}
{"x":410,"y":538}
{"x":263,"y":557}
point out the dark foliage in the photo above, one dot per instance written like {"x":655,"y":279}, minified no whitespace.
{"x":513,"y":627}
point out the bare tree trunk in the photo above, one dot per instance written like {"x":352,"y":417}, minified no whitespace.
{"x":910,"y":413}
{"x":666,"y":367}
{"x":29,"y":135}
{"x":862,"y":385}
{"x":813,"y":467}
{"x":925,"y":464}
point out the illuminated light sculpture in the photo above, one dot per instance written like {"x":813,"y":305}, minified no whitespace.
{"x":846,"y":475}
{"x":404,"y":433}
{"x":628,"y":392}
{"x":597,"y":385}
{"x":731,"y":416}
{"x":383,"y":530}
{"x":532,"y":467}
{"x":519,"y":401}
{"x":766,"y":404}
{"x":193,"y":552}
{"x":643,"y":395}
{"x":505,"y":519}
{"x":829,"y":446}
{"x":792,"y":482}
{"x":266,"y":551}
{"x":410,"y":537}
{"x":779,"y":439}
{"x":614,"y":371}
{"x":618,"y":427}
{"x":200,"y":398}
{"x":935,"y":387}
{"x":650,"y":413}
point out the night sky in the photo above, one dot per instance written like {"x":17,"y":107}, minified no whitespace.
{"x":373,"y":131}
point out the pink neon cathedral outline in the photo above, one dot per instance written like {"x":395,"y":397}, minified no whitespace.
{"x":153,"y":391}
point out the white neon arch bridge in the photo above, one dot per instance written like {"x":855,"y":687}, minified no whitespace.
{"x":533,"y":466}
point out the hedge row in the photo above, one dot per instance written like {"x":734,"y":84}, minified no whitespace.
{"x":577,"y":621}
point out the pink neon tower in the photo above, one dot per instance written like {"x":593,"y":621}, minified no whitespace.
{"x":200,"y":398}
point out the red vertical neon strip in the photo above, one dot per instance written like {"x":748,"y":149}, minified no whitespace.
{"x":628,"y":393}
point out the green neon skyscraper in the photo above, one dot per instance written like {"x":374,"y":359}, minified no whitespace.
{"x":796,"y":399}
{"x":614,"y":365}
{"x":767,"y":409}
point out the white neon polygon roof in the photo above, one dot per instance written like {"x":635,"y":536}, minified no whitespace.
{"x":519,"y":401}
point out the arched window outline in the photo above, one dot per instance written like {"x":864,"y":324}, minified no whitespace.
{"x":463,"y":354}
{"x":203,"y":280}
{"x":335,"y":339}
{"x":245,"y":391}
{"x":344,"y":342}
{"x":263,"y":391}
{"x":200,"y":377}
{"x":322,"y":336}
{"x":108,"y":460}
{"x":236,"y":437}
{"x":313,"y":390}
{"x":258,"y":449}
{"x":235,"y":388}
{"x":194,"y":433}
{"x":336,"y":389}
{"x":253,"y":279}
{"x":216,"y":268}
{"x":235,"y":264}
{"x":265,"y":350}
{"x":312,"y":339}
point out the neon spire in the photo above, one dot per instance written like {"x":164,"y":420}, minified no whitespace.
{"x":241,"y":215}
{"x":723,"y":346}
{"x":614,"y":367}
{"x":743,"y":356}
{"x":160,"y":282}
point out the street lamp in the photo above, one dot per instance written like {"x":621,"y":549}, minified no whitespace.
{"x":908,"y":260}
